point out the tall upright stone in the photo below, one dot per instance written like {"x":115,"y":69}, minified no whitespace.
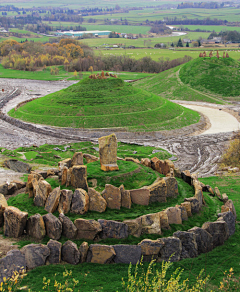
{"x":108,"y":152}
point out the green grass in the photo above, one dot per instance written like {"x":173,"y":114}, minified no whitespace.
{"x":167,"y":84}
{"x":218,"y":76}
{"x":46,"y":155}
{"x":108,"y":103}
{"x":214,"y":263}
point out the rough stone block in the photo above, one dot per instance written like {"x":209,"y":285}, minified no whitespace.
{"x":126,"y":254}
{"x":113,"y":229}
{"x":53,"y":226}
{"x":219,"y":231}
{"x":151,"y":223}
{"x":140,"y":196}
{"x":36,"y":227}
{"x":69,"y":230}
{"x":53,"y":200}
{"x":87,"y":229}
{"x":229,"y":219}
{"x":100,"y":254}
{"x":55,"y":248}
{"x":108,"y":152}
{"x":96,"y":201}
{"x":134,"y":227}
{"x":150,"y":249}
{"x":203,"y":238}
{"x":189,"y":244}
{"x":172,"y":187}
{"x":14,"y":222}
{"x":70,"y":253}
{"x":174,"y":215}
{"x":112,"y":195}
{"x":80,"y":202}
{"x":126,"y":201}
{"x":171,"y":250}
{"x":65,"y":201}
{"x":158,"y":191}
{"x":35,"y":255}
{"x":79,"y":177}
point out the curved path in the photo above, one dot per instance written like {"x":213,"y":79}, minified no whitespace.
{"x":197,"y":153}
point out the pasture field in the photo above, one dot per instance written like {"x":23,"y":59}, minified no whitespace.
{"x":216,"y":28}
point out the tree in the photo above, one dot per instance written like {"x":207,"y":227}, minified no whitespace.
{"x":179,"y":43}
{"x":75,"y":74}
{"x":187,"y":44}
{"x":172,"y":44}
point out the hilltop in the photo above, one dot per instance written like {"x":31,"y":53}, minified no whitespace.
{"x":106,"y":103}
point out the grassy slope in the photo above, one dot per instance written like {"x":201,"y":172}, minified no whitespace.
{"x":218,"y":76}
{"x":105,"y":104}
{"x":214,"y":263}
{"x":168,"y":85}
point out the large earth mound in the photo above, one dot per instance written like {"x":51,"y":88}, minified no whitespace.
{"x":106,"y":103}
{"x":219,"y":76}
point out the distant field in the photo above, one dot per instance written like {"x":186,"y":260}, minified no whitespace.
{"x":216,"y":28}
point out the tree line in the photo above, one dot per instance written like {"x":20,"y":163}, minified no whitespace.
{"x":205,"y":5}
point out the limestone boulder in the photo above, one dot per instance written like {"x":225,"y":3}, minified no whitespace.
{"x":113,"y":229}
{"x":208,"y":189}
{"x":90,"y":158}
{"x":224,"y":198}
{"x":171,"y":250}
{"x":140,"y":196}
{"x":65,"y":201}
{"x":112,"y":195}
{"x":218,"y":194}
{"x":203,"y":238}
{"x":108,"y":152}
{"x":126,"y":201}
{"x":195,"y":205}
{"x":183,"y":212}
{"x":219,"y":231}
{"x":18,"y":166}
{"x":14,"y":222}
{"x":87,"y":229}
{"x":53,"y":226}
{"x":14,"y":261}
{"x":189,"y":244}
{"x":155,"y":164}
{"x":151,"y":223}
{"x":83,"y":249}
{"x":150,"y":249}
{"x":69,"y":230}
{"x":135,"y":160}
{"x":188,"y":207}
{"x":36,"y":227}
{"x":31,"y":178}
{"x":55,"y":249}
{"x":41,"y":189}
{"x":4,"y":189}
{"x":80,"y":202}
{"x":229,"y":219}
{"x":35,"y":255}
{"x":65,"y":163}
{"x":174,"y":215}
{"x":96,"y":201}
{"x":79,"y":177}
{"x":100,"y":254}
{"x":199,"y":196}
{"x":229,"y":204}
{"x":172,"y":187}
{"x":158,"y":191}
{"x":134,"y":226}
{"x":77,"y":159}
{"x":3,"y":205}
{"x":146,"y":162}
{"x":186,"y":176}
{"x":53,"y":200}
{"x":70,"y":253}
{"x":64,"y":176}
{"x":126,"y":254}
{"x":164,"y":220}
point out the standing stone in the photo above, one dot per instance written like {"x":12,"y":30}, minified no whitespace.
{"x":14,"y":222}
{"x":229,"y":219}
{"x":29,"y":186}
{"x":65,"y":163}
{"x":69,"y":230}
{"x":218,"y":194}
{"x":53,"y":226}
{"x":186,"y":176}
{"x":195,"y":206}
{"x":125,"y":197}
{"x":3,"y":205}
{"x":172,"y":187}
{"x":230,"y":206}
{"x":87,"y":229}
{"x":189,"y":244}
{"x":151,"y":223}
{"x":174,"y":215}
{"x":96,"y":201}
{"x":70,"y":253}
{"x":113,"y":229}
{"x":53,"y":200}
{"x":203,"y":238}
{"x":150,"y":249}
{"x":65,"y":201}
{"x":208,"y":189}
{"x":134,"y":226}
{"x":83,"y":249}
{"x":4,"y":189}
{"x":219,"y":231}
{"x":77,"y":159}
{"x":183,"y":212}
{"x":100,"y":254}
{"x":64,"y":172}
{"x":158,"y":191}
{"x":164,"y":220}
{"x":35,"y":255}
{"x":80,"y":202}
{"x":188,"y":207}
{"x":199,"y":195}
{"x":36,"y":227}
{"x":177,"y":173}
{"x":41,"y":189}
{"x":108,"y":152}
{"x":55,"y":248}
{"x":79,"y":177}
{"x":140,"y":196}
{"x":14,"y":261}
{"x":90,"y":158}
{"x":171,"y":250}
{"x":112,"y":195}
{"x":146,"y":162}
{"x":224,"y":198}
{"x":126,"y":254}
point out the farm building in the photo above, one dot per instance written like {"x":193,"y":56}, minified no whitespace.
{"x":81,"y":33}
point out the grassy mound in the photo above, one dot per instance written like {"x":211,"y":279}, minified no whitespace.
{"x":107,"y":103}
{"x":219,"y":76}
{"x":167,"y":84}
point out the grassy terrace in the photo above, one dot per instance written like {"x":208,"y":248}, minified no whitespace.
{"x":108,"y":103}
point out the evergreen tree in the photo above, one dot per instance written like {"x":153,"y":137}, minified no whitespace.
{"x":180,"y":44}
{"x":187,"y":44}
